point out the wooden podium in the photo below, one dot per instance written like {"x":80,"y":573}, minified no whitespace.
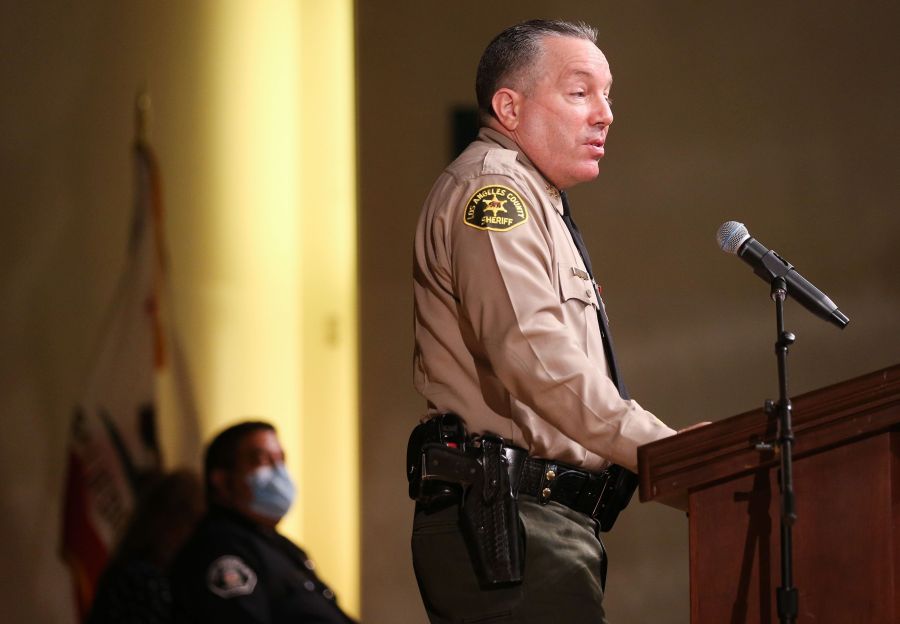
{"x":846,"y":541}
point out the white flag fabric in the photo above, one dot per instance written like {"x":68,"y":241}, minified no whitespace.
{"x":113,"y":445}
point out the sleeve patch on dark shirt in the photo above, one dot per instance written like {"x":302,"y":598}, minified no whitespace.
{"x":229,"y":576}
{"x":496,"y":208}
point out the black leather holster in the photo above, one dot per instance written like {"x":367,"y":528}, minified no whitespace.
{"x":444,"y":467}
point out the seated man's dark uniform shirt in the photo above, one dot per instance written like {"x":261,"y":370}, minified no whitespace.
{"x":132,"y":592}
{"x":233,"y":570}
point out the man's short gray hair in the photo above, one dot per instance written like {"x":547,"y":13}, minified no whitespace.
{"x":515,"y":50}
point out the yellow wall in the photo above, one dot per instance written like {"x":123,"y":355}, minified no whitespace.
{"x":282,"y":305}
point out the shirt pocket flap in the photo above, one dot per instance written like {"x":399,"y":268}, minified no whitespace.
{"x":575,"y":283}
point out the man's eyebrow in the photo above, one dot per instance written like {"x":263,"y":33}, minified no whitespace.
{"x":583,"y":73}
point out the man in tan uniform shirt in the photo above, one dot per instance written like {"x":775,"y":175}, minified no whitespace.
{"x":506,"y":318}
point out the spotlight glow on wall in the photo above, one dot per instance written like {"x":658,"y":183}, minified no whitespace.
{"x":281,"y":303}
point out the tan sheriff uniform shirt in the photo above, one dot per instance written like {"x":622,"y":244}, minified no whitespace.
{"x":506,"y":324}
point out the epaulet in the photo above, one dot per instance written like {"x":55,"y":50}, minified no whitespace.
{"x":499,"y":160}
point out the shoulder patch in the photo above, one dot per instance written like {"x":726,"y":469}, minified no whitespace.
{"x":497,"y":208}
{"x":229,"y":576}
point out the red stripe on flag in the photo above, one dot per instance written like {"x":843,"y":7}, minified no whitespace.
{"x":82,"y":548}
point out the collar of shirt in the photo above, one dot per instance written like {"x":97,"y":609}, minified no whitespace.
{"x":492,"y":136}
{"x":220,"y":511}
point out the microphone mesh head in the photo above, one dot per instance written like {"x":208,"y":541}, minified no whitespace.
{"x":731,"y":236}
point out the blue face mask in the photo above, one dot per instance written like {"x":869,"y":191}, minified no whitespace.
{"x":272,"y":491}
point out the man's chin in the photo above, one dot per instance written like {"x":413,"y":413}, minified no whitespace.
{"x":584,"y":172}
{"x":589,"y":172}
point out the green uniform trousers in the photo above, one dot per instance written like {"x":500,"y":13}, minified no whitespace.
{"x":563,"y":574}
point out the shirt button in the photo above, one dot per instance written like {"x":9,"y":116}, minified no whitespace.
{"x":328,"y":594}
{"x":309,"y":564}
{"x":309,"y":586}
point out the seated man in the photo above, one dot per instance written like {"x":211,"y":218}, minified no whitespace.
{"x":237,"y":567}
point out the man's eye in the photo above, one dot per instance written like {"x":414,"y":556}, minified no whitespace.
{"x":608,"y":100}
{"x":258,"y":458}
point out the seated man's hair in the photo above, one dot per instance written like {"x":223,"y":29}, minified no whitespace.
{"x":221,"y":454}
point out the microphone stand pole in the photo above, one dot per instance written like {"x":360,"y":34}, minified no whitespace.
{"x":787,"y":597}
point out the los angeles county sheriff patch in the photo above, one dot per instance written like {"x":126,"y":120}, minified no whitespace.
{"x":496,"y":208}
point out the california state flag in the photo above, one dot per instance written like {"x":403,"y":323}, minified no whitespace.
{"x":113,"y":444}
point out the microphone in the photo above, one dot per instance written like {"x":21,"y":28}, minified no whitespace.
{"x":734,"y":238}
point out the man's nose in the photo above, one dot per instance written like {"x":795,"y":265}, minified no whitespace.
{"x":602,"y":113}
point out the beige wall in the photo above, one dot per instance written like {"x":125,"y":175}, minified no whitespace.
{"x":782,"y":116}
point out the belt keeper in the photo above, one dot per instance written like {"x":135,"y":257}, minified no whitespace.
{"x":548,"y":477}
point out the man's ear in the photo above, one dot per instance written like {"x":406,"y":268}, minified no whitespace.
{"x":218,"y":478}
{"x":507,"y":106}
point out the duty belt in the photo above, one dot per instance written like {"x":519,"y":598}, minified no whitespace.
{"x":443,"y":461}
{"x":548,"y":480}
